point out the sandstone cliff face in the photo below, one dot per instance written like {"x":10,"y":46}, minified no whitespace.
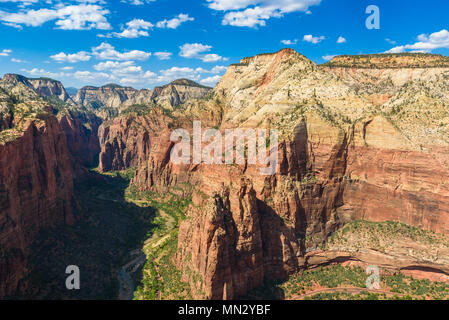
{"x":105,"y":101}
{"x":339,"y":160}
{"x":36,"y":177}
{"x":45,"y":87}
{"x":122,"y":141}
{"x":81,"y":130}
{"x":50,"y":88}
{"x":36,"y":191}
{"x":356,"y":142}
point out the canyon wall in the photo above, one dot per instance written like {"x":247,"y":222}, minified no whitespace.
{"x":36,"y":191}
{"x":335,"y":166}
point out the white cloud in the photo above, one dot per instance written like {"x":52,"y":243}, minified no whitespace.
{"x":341,"y":40}
{"x":112,"y":65}
{"x":198,"y":51}
{"x":91,"y":76}
{"x":134,"y":29}
{"x":66,"y":68}
{"x":426,"y":43}
{"x":119,"y":68}
{"x":211,"y":57}
{"x":72,"y":58}
{"x":17,"y":60}
{"x":71,"y":17}
{"x":328,"y":57}
{"x":5,"y":52}
{"x":289,"y":42}
{"x":22,"y":3}
{"x":43,"y":73}
{"x":390,"y":41}
{"x":192,"y":50}
{"x":139,"y":28}
{"x":163,"y":55}
{"x":137,"y":2}
{"x":312,"y":39}
{"x":107,"y":52}
{"x":253,"y":13}
{"x":218,"y":69}
{"x":211,"y":81}
{"x":174,"y":73}
{"x":175,"y":22}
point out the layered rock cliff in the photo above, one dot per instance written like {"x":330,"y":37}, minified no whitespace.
{"x":110,"y":100}
{"x":360,"y":138}
{"x":45,"y":87}
{"x":36,"y":178}
{"x":341,"y":157}
{"x":125,"y":139}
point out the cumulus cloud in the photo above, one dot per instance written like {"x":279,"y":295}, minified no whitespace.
{"x":112,"y":65}
{"x":163,"y":55}
{"x":426,"y":43}
{"x":72,"y":58}
{"x":254,"y":13}
{"x":21,"y":3}
{"x":328,"y":57}
{"x":71,"y":17}
{"x":134,"y":29}
{"x":5,"y":52}
{"x":341,"y":40}
{"x":168,"y":75}
{"x":199,"y":51}
{"x":88,"y":76}
{"x":312,"y":39}
{"x":289,"y":42}
{"x":211,"y":81}
{"x":137,"y":2}
{"x":36,"y":72}
{"x":105,"y":51}
{"x":175,"y":22}
{"x":139,"y":28}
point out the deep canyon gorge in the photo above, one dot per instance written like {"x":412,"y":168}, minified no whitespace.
{"x":363,"y":144}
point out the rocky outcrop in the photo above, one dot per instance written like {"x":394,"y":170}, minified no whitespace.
{"x":106,"y":100}
{"x":221,"y":251}
{"x":390,"y":61}
{"x":121,"y":143}
{"x":50,"y":88}
{"x":81,"y":130}
{"x":45,"y":87}
{"x":138,"y":141}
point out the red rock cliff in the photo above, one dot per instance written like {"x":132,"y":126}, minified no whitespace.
{"x":36,"y":191}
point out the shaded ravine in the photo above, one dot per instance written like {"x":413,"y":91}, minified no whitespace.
{"x":109,"y":230}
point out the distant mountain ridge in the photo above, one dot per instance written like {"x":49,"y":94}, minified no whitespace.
{"x":109,"y":100}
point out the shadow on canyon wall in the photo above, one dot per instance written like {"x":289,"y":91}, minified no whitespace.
{"x":99,"y":243}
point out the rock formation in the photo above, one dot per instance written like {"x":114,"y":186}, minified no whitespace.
{"x":36,"y":178}
{"x":108,"y":101}
{"x":342,"y":156}
{"x":360,"y":138}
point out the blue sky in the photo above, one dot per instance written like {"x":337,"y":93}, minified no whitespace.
{"x":144,"y":43}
